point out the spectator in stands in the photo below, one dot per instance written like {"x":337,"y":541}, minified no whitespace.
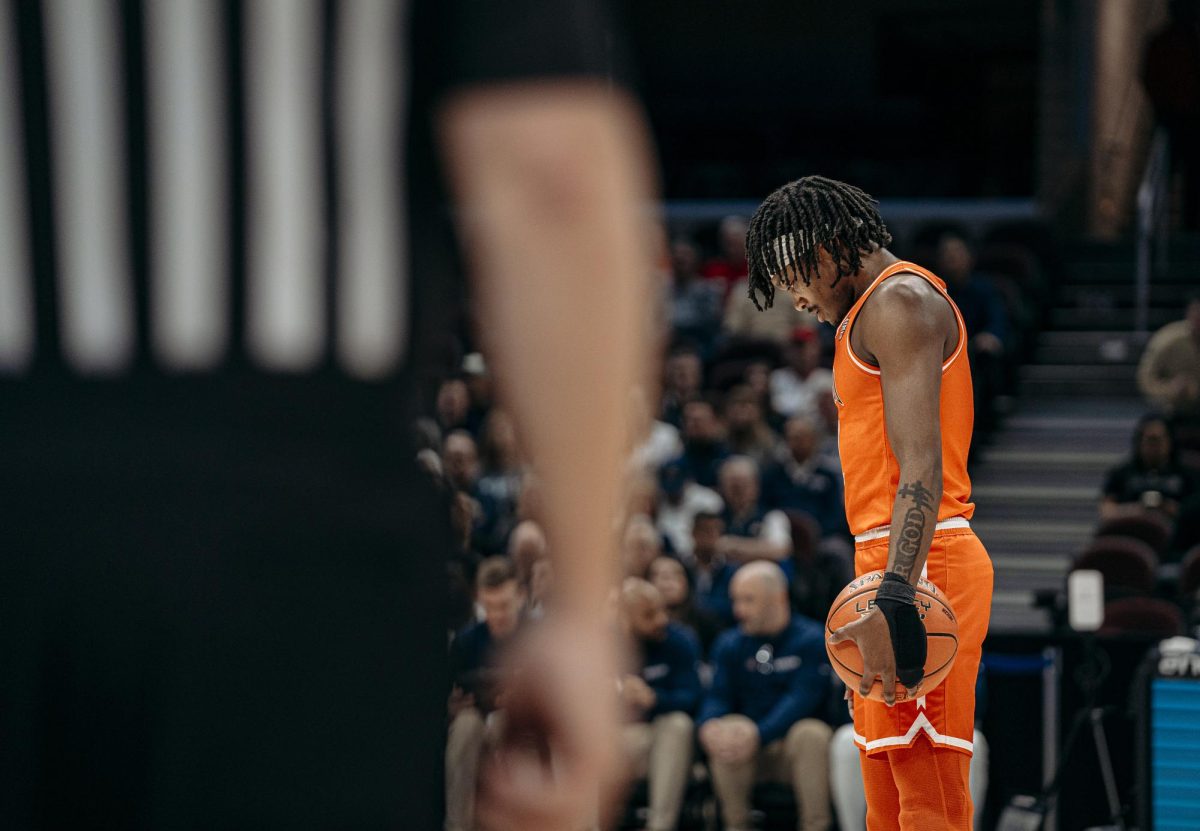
{"x":474,"y":661}
{"x":710,"y":573}
{"x":1169,"y":371}
{"x":460,"y":461}
{"x":800,"y":480}
{"x":642,"y":546}
{"x":696,"y":304}
{"x":1171,"y":76}
{"x":751,"y":531}
{"x":797,"y":384}
{"x":775,"y":324}
{"x":503,"y":469}
{"x":453,"y":406}
{"x":759,"y":722}
{"x":659,"y":698}
{"x":526,"y":547}
{"x":479,"y":389}
{"x":704,"y":447}
{"x":683,"y":374}
{"x":680,"y":501}
{"x":427,"y":440}
{"x":1153,"y":479}
{"x":757,"y":376}
{"x":986,"y":319}
{"x":730,"y":265}
{"x":660,"y":440}
{"x":747,"y":432}
{"x":493,"y":519}
{"x":669,"y":576}
{"x":462,"y":562}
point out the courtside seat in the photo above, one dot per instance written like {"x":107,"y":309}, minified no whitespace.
{"x":1128,"y":565}
{"x":1151,"y":528}
{"x":1142,"y":616}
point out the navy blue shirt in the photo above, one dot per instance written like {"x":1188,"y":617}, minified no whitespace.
{"x":775,"y":680}
{"x":712,"y":595}
{"x":815,"y":489}
{"x":750,"y":525}
{"x":981,"y":306}
{"x":702,"y":461}
{"x":669,"y":668}
{"x":473,"y":663}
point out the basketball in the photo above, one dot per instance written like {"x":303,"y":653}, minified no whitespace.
{"x":858,"y":598}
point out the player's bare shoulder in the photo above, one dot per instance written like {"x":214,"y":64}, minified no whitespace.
{"x":905,"y":308}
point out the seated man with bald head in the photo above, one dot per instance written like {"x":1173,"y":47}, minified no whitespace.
{"x":760,"y":722}
{"x":659,"y":699}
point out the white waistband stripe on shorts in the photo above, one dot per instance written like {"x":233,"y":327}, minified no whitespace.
{"x":885,"y":530}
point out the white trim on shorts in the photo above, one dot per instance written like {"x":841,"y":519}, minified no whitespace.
{"x":919,"y":723}
{"x":885,"y":530}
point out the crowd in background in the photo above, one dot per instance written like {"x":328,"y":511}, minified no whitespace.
{"x":1147,"y":543}
{"x":741,"y":452}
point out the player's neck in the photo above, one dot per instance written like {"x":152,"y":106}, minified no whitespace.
{"x":873,"y":265}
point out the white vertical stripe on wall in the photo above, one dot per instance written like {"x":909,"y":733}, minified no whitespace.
{"x":189,"y":292}
{"x":285,"y":301}
{"x":372,"y":292}
{"x":16,"y":292}
{"x":91,"y":210}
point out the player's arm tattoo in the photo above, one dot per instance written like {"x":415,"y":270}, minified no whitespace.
{"x":912,"y":529}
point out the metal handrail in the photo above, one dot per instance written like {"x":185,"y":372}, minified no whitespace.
{"x":1152,"y":214}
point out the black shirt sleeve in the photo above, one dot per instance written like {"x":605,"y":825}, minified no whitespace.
{"x":1114,"y":483}
{"x":478,"y":42}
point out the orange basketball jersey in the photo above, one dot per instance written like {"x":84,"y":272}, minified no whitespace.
{"x":871,"y":471}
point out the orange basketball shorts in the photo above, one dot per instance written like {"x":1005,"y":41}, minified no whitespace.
{"x":959,"y":566}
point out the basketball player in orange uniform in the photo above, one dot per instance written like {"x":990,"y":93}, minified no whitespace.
{"x":902,"y":386}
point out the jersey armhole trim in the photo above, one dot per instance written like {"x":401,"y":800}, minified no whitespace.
{"x":911,"y":268}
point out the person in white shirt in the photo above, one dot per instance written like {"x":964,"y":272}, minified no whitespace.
{"x":796,"y":386}
{"x":751,"y":532}
{"x":681,"y":500}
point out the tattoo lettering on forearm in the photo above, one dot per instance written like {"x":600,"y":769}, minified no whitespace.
{"x":912,"y":530}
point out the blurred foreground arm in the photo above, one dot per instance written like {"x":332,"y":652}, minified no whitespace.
{"x":551,"y":181}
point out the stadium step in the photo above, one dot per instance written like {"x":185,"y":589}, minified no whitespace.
{"x":1037,"y":484}
{"x":1079,"y":387}
{"x":1124,"y":294}
{"x":1089,"y":347}
{"x":1067,"y":318}
{"x":1037,"y":492}
{"x":1117,"y":273}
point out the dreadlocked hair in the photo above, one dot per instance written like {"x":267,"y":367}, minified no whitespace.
{"x":797,"y":220}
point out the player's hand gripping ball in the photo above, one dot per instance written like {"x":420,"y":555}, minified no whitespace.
{"x":857,"y":600}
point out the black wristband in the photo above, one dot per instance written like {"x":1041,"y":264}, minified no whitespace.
{"x":895,"y":599}
{"x":895,"y":587}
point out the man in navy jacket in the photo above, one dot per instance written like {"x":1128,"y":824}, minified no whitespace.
{"x":760,"y":720}
{"x":475,"y":667}
{"x":659,"y":699}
